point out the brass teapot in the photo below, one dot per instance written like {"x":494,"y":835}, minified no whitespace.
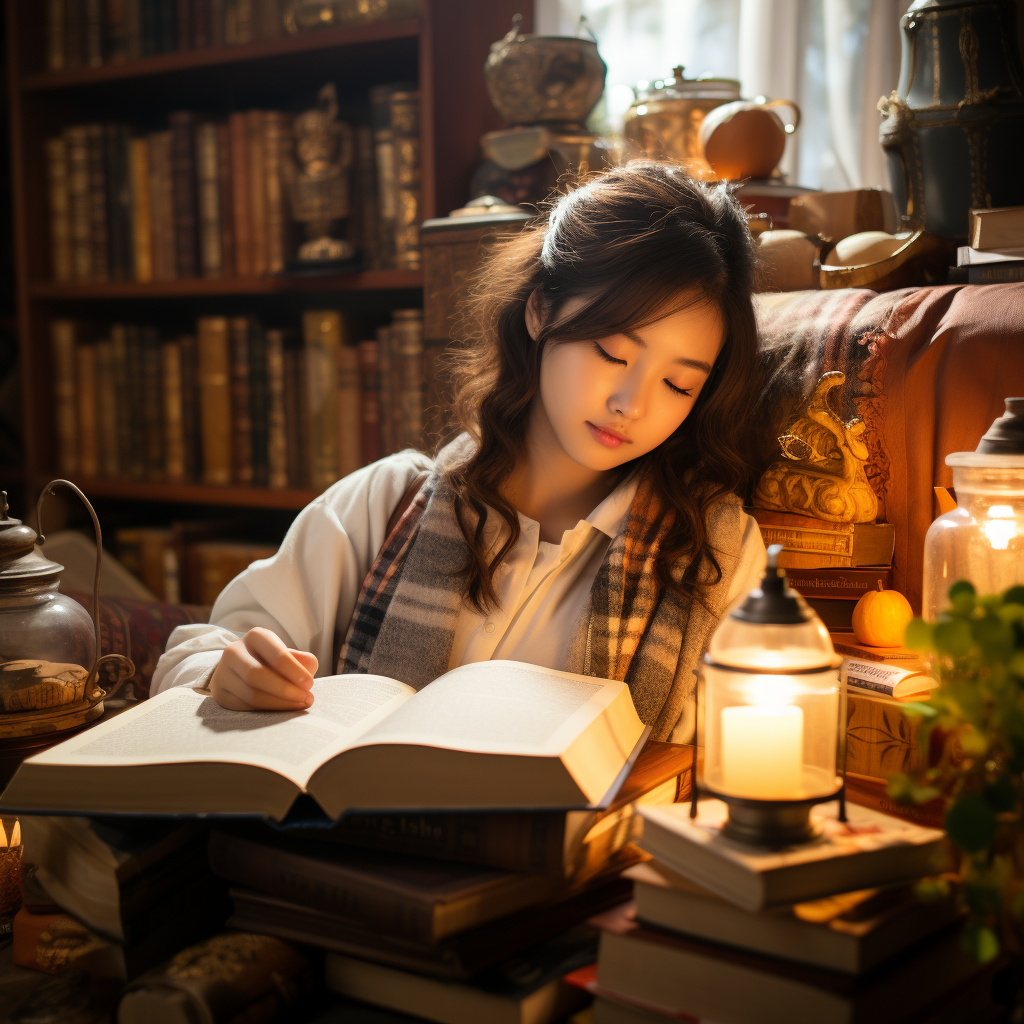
{"x":49,"y":647}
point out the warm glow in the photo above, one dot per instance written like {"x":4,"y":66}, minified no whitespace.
{"x":770,"y":691}
{"x":3,"y":837}
{"x":16,"y":834}
{"x":782,"y":657}
{"x":1001,"y":527}
{"x":762,"y":751}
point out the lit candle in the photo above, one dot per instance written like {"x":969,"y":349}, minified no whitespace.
{"x":10,"y":870}
{"x":762,"y":751}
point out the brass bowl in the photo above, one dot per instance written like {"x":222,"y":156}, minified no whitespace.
{"x":915,"y":258}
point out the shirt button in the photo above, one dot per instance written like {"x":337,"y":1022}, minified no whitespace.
{"x":488,"y":627}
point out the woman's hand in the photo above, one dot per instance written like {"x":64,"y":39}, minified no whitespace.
{"x":258,"y":673}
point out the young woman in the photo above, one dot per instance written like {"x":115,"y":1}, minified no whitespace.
{"x":585,"y":520}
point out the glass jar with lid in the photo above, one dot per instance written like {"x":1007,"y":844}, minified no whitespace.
{"x":982,"y":539}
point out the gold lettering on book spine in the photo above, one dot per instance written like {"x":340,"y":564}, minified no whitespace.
{"x":821,"y":470}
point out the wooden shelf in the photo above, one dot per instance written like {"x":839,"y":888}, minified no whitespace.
{"x":189,"y":60}
{"x":365,"y":280}
{"x":197,"y":494}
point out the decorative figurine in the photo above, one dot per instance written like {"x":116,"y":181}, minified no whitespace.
{"x":824,"y":476}
{"x":320,"y":183}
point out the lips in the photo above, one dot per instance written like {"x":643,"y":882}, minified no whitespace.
{"x":604,"y":435}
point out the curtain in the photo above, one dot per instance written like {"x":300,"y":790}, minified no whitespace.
{"x":834,"y":58}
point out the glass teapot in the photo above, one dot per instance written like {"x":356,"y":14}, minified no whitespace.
{"x":49,"y":645}
{"x":982,"y":539}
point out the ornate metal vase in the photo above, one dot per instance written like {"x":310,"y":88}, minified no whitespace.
{"x":953,"y":131}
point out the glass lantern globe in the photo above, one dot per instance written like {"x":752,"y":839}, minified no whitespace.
{"x":772,"y":714}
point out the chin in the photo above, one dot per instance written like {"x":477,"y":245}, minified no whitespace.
{"x":593,"y":455}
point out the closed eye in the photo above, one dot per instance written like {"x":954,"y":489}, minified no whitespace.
{"x":609,"y":358}
{"x":687,"y":392}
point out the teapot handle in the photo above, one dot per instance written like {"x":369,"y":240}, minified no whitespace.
{"x":124,"y":661}
{"x":790,"y":126}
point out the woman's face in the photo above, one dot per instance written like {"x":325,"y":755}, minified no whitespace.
{"x":611,"y":400}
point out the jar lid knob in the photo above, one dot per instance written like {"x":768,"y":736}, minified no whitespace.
{"x":773,"y":603}
{"x":1006,"y":435}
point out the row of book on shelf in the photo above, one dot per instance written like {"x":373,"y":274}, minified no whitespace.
{"x":212,"y":197}
{"x":91,"y":33}
{"x":235,"y":403}
{"x":995,"y":249}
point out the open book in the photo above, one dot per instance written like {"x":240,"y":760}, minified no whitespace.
{"x":489,"y":735}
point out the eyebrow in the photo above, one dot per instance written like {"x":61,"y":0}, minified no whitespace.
{"x":695,"y":364}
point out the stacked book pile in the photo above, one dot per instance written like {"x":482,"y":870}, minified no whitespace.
{"x":211,"y":198}
{"x":996,"y":249}
{"x":235,"y":403}
{"x":91,"y":33}
{"x":828,"y":931}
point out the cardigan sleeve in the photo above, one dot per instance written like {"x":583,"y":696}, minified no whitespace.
{"x":308,"y":590}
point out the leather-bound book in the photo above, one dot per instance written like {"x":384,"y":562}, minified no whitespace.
{"x":167,"y":26}
{"x":149,"y":33}
{"x":116,"y":140}
{"x":268,"y":22}
{"x":365,"y":216}
{"x":123,"y":406}
{"x":136,"y":400}
{"x":201,"y":24}
{"x":174,"y":417}
{"x":85,"y":398}
{"x":238,"y":129}
{"x":387,"y":398}
{"x":259,"y":402}
{"x":384,"y":159}
{"x":152,"y":396}
{"x":60,"y":208}
{"x":215,"y":398}
{"x":404,"y":108}
{"x":350,"y":411}
{"x":186,"y":26}
{"x":226,"y":200}
{"x":141,"y":216}
{"x":294,"y":418}
{"x":216,"y":21}
{"x":98,"y":238}
{"x":277,"y":423}
{"x":190,"y":407}
{"x":133,"y":30}
{"x":106,"y":410}
{"x":116,"y":30}
{"x":93,"y":11}
{"x":321,"y":335}
{"x":369,"y":402}
{"x":62,"y":352}
{"x":74,"y":33}
{"x":208,"y":200}
{"x":257,"y":190}
{"x":55,"y":35}
{"x":183,"y":180}
{"x":241,"y":410}
{"x":161,"y":201}
{"x":407,"y":385}
{"x":76,"y":140}
{"x":276,"y":149}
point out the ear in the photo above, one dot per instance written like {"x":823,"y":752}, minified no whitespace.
{"x":535,"y":314}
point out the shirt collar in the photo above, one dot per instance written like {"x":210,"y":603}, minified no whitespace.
{"x":609,"y":516}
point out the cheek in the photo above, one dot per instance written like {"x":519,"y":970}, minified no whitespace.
{"x":570,"y":382}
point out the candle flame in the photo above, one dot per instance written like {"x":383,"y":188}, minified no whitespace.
{"x":16,"y":833}
{"x":3,"y":837}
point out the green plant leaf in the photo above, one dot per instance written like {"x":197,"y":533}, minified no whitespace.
{"x":918,"y":709}
{"x":993,"y":636}
{"x":980,"y":943}
{"x":953,"y":637}
{"x":1015,"y":595}
{"x":919,"y":635}
{"x":931,"y":890}
{"x":971,"y":824}
{"x":961,"y":597}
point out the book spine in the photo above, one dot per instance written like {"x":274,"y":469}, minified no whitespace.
{"x":74,"y":33}
{"x":269,"y":23}
{"x":818,"y":541}
{"x":62,"y":350}
{"x":174,"y":417}
{"x":119,"y":368}
{"x":119,"y":209}
{"x":277,"y":424}
{"x":387,"y":398}
{"x":153,"y":394}
{"x":274,"y":134}
{"x":211,"y":256}
{"x":241,"y":417}
{"x":848,"y":583}
{"x":94,"y":33}
{"x":369,"y":401}
{"x":326,"y":886}
{"x":116,"y":31}
{"x":106,"y":410}
{"x":133,"y":29}
{"x":294,"y":388}
{"x":321,"y":332}
{"x":365,"y":215}
{"x":85,"y":394}
{"x":996,"y":273}
{"x":60,"y":211}
{"x":55,"y":35}
{"x":191,"y":432}
{"x":216,"y":21}
{"x":97,"y":204}
{"x":183,"y":176}
{"x":186,"y":28}
{"x":873,"y":792}
{"x":141,"y":218}
{"x":406,"y":338}
{"x":243,"y":21}
{"x":167,"y":26}
{"x":258,"y":403}
{"x":257,"y":191}
{"x":225,"y":200}
{"x":242,"y":204}
{"x":349,"y":411}
{"x":405,"y":131}
{"x":77,"y":143}
{"x":136,"y":403}
{"x":387,"y":185}
{"x":215,"y":398}
{"x":148,"y":31}
{"x":161,"y":206}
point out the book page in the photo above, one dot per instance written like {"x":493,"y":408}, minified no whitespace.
{"x":181,"y":725}
{"x":498,"y":707}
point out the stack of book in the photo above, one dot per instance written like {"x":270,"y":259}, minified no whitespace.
{"x":996,"y":249}
{"x":211,"y":198}
{"x":832,"y":564}
{"x":235,"y":403}
{"x":827,"y":931}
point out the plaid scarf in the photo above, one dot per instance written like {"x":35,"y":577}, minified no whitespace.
{"x":635,"y":630}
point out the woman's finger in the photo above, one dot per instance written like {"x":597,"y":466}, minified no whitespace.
{"x":270,"y":649}
{"x":235,"y":688}
{"x":259,"y":676}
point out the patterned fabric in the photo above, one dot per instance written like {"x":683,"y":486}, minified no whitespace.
{"x":408,"y":608}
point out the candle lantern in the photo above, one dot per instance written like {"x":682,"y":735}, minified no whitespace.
{"x":773,"y":711}
{"x":10,"y":874}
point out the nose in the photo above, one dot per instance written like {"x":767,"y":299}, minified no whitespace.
{"x":630,"y":399}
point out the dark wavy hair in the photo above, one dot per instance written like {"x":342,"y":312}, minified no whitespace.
{"x":636,"y":243}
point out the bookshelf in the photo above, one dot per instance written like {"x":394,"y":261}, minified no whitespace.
{"x":443,"y":49}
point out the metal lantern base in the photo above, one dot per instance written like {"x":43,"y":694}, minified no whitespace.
{"x":772,"y":824}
